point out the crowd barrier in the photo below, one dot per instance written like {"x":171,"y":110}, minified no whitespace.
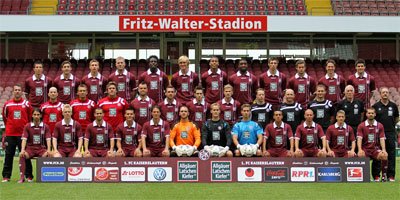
{"x":193,"y":169}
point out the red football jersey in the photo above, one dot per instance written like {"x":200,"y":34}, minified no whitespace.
{"x":363,"y":86}
{"x":213,"y":83}
{"x":156,"y":134}
{"x":142,"y":109}
{"x":99,"y":136}
{"x":83,"y":112}
{"x":129,"y":135}
{"x":304,"y":87}
{"x":230,"y":111}
{"x":66,"y":88}
{"x":184,"y":85}
{"x":36,"y":136}
{"x":334,"y":87}
{"x":340,"y":138}
{"x":114,"y":110}
{"x":169,"y":111}
{"x":244,"y":87}
{"x":126,"y":83}
{"x":52,"y":113}
{"x":37,"y":89}
{"x":67,"y":135}
{"x":15,"y":115}
{"x":273,"y":86}
{"x":156,"y":84}
{"x":96,"y":86}
{"x":371,"y":134}
{"x":277,"y":136}
{"x":198,"y":111}
{"x":309,"y":135}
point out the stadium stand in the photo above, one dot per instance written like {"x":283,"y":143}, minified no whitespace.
{"x":366,"y":7}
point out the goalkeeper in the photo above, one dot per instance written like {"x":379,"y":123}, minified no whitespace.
{"x":216,"y":134}
{"x":185,"y":133}
{"x":247,"y":135}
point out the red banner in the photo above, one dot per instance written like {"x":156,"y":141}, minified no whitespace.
{"x":193,"y":23}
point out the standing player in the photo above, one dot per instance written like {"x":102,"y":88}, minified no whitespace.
{"x":302,"y":84}
{"x":184,"y":81}
{"x":113,"y":106}
{"x":334,"y":82}
{"x":83,"y":108}
{"x":247,"y":132}
{"x":276,"y":136}
{"x":99,"y":137}
{"x":340,"y":138}
{"x":36,"y":141}
{"x":95,"y":81}
{"x":293,"y":113}
{"x":273,"y":82}
{"x":155,"y":136}
{"x":363,"y":83}
{"x":142,"y":105}
{"x":213,"y":80}
{"x":16,"y":113}
{"x":185,"y":132}
{"x":371,"y":143}
{"x":67,"y":137}
{"x":216,"y":131}
{"x":244,"y":83}
{"x":36,"y":87}
{"x":66,"y":83}
{"x":387,"y":114}
{"x":52,"y":110}
{"x":170,"y":106}
{"x":229,"y":106}
{"x":323,"y":108}
{"x":354,"y":108}
{"x":307,"y":136}
{"x":127,"y":136}
{"x":156,"y":80}
{"x":126,"y":81}
{"x":261,"y":111}
{"x":198,"y":107}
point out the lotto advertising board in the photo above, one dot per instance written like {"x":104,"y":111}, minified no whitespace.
{"x":268,"y":170}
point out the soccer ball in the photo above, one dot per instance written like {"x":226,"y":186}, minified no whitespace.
{"x":247,"y":150}
{"x":184,"y":150}
{"x":214,"y":150}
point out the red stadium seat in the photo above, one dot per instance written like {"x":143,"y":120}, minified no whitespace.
{"x":73,"y":2}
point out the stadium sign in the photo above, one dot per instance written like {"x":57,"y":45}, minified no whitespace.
{"x":187,"y":171}
{"x":221,"y":171}
{"x":79,"y":174}
{"x":329,"y":174}
{"x":159,"y":174}
{"x":193,"y":23}
{"x":276,"y":174}
{"x":106,"y":174}
{"x":53,"y":174}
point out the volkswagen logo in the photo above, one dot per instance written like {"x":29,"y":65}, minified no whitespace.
{"x":159,"y":174}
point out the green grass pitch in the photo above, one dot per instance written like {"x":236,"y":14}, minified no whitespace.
{"x":110,"y":191}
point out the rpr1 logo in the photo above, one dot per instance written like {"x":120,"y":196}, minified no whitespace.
{"x":302,"y":174}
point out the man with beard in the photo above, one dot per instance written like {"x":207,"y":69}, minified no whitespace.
{"x":244,"y":83}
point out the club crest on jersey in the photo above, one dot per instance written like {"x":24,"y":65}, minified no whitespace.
{"x":326,"y":106}
{"x":390,"y":108}
{"x":355,"y":106}
{"x":296,"y":109}
{"x":119,"y":104}
{"x":219,"y":128}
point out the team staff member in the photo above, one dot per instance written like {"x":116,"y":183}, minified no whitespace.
{"x":36,"y":87}
{"x":293,"y":113}
{"x":185,"y":132}
{"x":247,"y":131}
{"x":155,"y":136}
{"x":354,"y":108}
{"x":95,"y":81}
{"x":83,"y":108}
{"x":338,"y":138}
{"x":184,"y":81}
{"x":363,"y":83}
{"x":142,"y":105}
{"x":323,"y":109}
{"x":198,"y":107}
{"x":67,"y":138}
{"x":302,"y":84}
{"x":213,"y":81}
{"x":244,"y":83}
{"x":52,"y":109}
{"x":371,"y":142}
{"x":307,"y":136}
{"x":387,"y":114}
{"x":276,"y":136}
{"x":229,"y":106}
{"x":156,"y":80}
{"x":126,"y":81}
{"x":66,"y":83}
{"x":261,"y":111}
{"x":334,"y":83}
{"x":113,"y":106}
{"x":99,"y":137}
{"x":36,"y":141}
{"x":127,"y":136}
{"x":16,"y":113}
{"x":216,"y":131}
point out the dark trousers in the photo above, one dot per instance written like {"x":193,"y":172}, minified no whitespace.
{"x":391,"y":150}
{"x":12,"y":142}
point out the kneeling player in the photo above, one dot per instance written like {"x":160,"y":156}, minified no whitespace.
{"x":67,"y":136}
{"x":338,"y":138}
{"x":185,"y":136}
{"x":307,"y":134}
{"x":35,"y":138}
{"x":371,"y":141}
{"x":216,"y":134}
{"x":155,"y":135}
{"x":247,"y":135}
{"x":276,"y":136}
{"x":127,"y":136}
{"x":99,"y":137}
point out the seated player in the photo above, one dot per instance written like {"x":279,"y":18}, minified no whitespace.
{"x":36,"y":141}
{"x":127,"y":136}
{"x":216,"y":134}
{"x":371,"y":141}
{"x":67,"y":136}
{"x":185,"y":136}
{"x":339,"y":136}
{"x":155,"y":135}
{"x":307,"y":135}
{"x":247,"y":135}
{"x":276,"y":136}
{"x":99,"y":137}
